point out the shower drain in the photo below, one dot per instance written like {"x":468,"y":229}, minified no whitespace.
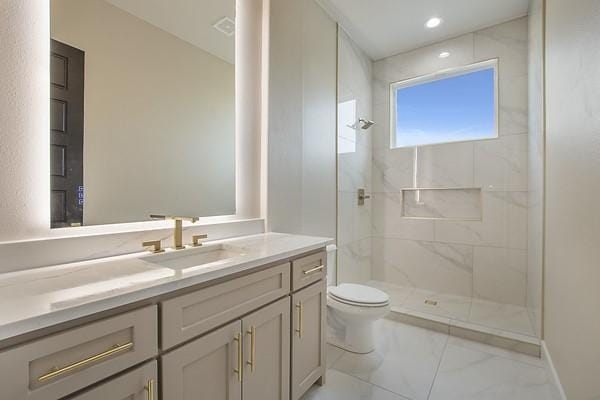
{"x":431,"y":302}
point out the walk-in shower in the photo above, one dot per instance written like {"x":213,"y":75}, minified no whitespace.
{"x":446,"y":232}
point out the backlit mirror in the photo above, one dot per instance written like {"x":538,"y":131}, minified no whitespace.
{"x":142,"y":110}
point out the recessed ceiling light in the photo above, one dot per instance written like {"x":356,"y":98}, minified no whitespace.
{"x":433,"y":22}
{"x":444,"y":54}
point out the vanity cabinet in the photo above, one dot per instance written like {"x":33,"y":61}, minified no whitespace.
{"x":61,"y":364}
{"x":188,"y":316}
{"x":309,"y":269}
{"x":267,"y":352}
{"x":308,"y":340}
{"x":248,"y":358}
{"x":205,"y":368}
{"x":139,"y":384}
{"x":256,"y":335}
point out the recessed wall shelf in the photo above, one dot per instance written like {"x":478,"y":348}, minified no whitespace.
{"x":463,"y":204}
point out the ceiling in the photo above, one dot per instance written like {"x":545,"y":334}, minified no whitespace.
{"x":189,"y":20}
{"x":383,"y":28}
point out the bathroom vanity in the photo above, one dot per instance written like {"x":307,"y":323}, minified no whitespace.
{"x":241,"y":318}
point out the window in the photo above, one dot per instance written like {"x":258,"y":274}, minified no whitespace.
{"x":450,"y":106}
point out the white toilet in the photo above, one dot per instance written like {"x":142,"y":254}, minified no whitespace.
{"x":352,"y":311}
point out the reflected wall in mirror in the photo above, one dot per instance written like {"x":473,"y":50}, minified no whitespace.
{"x":142,"y":110}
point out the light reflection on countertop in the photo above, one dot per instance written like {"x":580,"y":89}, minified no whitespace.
{"x":42,"y":297}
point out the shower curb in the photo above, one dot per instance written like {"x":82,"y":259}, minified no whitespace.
{"x":465,"y":330}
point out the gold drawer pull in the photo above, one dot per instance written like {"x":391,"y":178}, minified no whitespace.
{"x":150,"y":389}
{"x":300,"y":328}
{"x":252,"y":361}
{"x":313,"y":270}
{"x":240,"y":363}
{"x":59,"y":371}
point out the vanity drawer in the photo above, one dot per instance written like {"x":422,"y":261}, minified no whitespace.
{"x":133,"y":385}
{"x":60,"y":364}
{"x":191,"y":315}
{"x":308,"y":270}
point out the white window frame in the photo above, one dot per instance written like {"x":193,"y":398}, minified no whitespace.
{"x":436,"y":76}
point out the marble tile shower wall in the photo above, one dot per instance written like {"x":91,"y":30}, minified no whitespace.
{"x":484,"y":259}
{"x":536,"y":164}
{"x":354,"y":168}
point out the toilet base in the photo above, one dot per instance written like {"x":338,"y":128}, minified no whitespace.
{"x":352,"y":336}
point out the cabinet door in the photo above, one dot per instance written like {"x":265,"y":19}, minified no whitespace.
{"x":267,"y":352}
{"x":308,"y":338}
{"x":138,"y":384}
{"x":209,"y":368}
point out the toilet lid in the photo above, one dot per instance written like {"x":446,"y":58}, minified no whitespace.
{"x":359,"y":294}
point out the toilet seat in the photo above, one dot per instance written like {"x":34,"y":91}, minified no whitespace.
{"x":359,"y":295}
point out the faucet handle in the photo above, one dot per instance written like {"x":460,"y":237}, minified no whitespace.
{"x":155,"y":244}
{"x":196,"y":240}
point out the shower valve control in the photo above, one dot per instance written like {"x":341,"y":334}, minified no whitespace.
{"x":362,"y":197}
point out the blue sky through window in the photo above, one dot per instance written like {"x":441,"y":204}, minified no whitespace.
{"x":456,"y":108}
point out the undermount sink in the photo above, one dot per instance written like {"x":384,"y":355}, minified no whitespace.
{"x":195,"y":257}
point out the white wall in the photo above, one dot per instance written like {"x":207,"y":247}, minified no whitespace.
{"x":24,"y":161}
{"x":159,"y":113}
{"x":355,"y":77}
{"x":572,"y":251}
{"x":301,"y":131}
{"x":485,"y":259}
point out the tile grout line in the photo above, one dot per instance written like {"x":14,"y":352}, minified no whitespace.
{"x":366,"y":382}
{"x":437,"y":370}
{"x":360,"y":379}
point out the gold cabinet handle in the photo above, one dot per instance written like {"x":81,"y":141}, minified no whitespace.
{"x":197,"y":240}
{"x":300,"y":308}
{"x":313,"y":270}
{"x":150,"y":389}
{"x":155,"y":244}
{"x":240,"y":364}
{"x":100,"y":356}
{"x":252,"y":361}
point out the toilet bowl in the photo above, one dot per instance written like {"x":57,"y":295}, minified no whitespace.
{"x":352,"y":311}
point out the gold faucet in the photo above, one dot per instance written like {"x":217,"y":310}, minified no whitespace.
{"x":178,"y":232}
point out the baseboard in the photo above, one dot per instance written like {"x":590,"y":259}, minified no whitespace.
{"x":552,"y":371}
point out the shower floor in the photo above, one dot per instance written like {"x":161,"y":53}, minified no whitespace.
{"x":498,"y":319}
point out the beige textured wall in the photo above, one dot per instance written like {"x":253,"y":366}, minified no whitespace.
{"x":159,"y":117}
{"x":24,"y":120}
{"x":572,"y":251}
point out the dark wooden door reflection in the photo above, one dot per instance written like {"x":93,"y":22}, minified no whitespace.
{"x":66,"y":134}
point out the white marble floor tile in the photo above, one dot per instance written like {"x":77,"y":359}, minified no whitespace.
{"x":332,"y":354}
{"x":398,"y":294}
{"x":340,"y":386}
{"x":467,"y":374}
{"x":502,"y":316}
{"x":496,"y":351}
{"x":405,"y":359}
{"x":451,"y":306}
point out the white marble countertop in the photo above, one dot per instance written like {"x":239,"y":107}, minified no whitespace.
{"x":43,"y":297}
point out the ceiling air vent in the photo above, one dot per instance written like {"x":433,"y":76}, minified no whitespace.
{"x":226,"y":26}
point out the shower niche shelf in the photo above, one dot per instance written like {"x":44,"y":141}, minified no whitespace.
{"x":463,"y":204}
